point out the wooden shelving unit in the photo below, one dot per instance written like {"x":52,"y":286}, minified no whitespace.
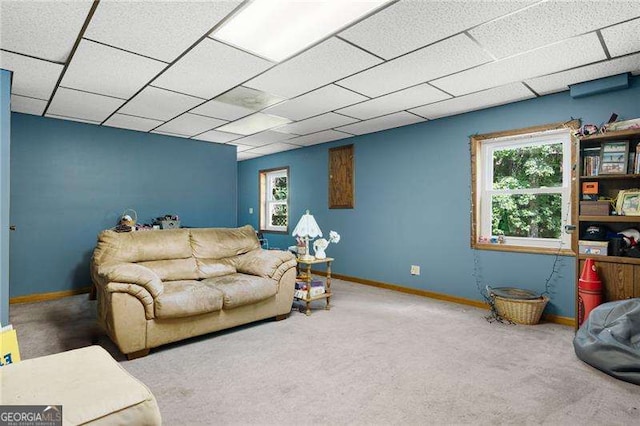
{"x":620,"y":274}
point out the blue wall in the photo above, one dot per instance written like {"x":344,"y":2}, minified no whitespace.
{"x":412,"y":200}
{"x":71,"y":180}
{"x":5,"y":145}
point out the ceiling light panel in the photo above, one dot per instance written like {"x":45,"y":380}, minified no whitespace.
{"x":319,"y":101}
{"x":209,"y":69}
{"x":408,"y":25}
{"x":318,"y":66}
{"x":254,"y":123}
{"x":315,"y":124}
{"x":31,"y":77}
{"x":549,"y":22}
{"x":44,"y":29}
{"x":263,"y":138}
{"x":390,"y":121}
{"x":217,"y":136}
{"x":132,"y":123}
{"x":558,"y":57}
{"x":159,"y":29}
{"x":190,"y":124}
{"x":320,"y":137}
{"x":446,"y":57}
{"x":397,"y":101}
{"x":101,"y":69}
{"x":27,"y":105}
{"x":624,"y":38}
{"x":300,"y":24}
{"x":221,"y":110}
{"x":488,"y":98}
{"x":83,"y":105}
{"x":560,"y":81}
{"x":159,"y":104}
{"x":274,"y":147}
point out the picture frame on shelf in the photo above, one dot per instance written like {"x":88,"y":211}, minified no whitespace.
{"x":614,"y":157}
{"x":628,"y":203}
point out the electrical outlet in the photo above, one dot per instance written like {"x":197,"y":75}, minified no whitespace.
{"x":415,"y":270}
{"x":250,"y":210}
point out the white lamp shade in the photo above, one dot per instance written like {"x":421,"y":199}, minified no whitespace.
{"x":307,"y":227}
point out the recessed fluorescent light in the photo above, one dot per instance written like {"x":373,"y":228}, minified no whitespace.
{"x":278,"y":29}
{"x":253,"y":124}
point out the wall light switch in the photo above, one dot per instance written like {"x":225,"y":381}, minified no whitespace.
{"x":250,"y":210}
{"x":415,"y":270}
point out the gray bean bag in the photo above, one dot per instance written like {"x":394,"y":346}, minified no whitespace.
{"x":609,"y":339}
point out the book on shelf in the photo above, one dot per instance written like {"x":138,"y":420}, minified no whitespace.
{"x":317,"y":288}
{"x":590,"y":161}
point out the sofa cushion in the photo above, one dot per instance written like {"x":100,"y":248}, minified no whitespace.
{"x":242,"y":289}
{"x":172,"y":270}
{"x":141,"y":246}
{"x":220,"y":243}
{"x":185,"y":298}
{"x":209,"y":268}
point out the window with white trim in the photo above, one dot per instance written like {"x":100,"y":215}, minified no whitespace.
{"x":523,"y":190}
{"x":274,"y":200}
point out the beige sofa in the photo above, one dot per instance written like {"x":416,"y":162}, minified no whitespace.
{"x":161,"y":286}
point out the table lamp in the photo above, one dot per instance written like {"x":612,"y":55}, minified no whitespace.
{"x":306,"y":228}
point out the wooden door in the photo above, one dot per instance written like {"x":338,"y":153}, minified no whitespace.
{"x":341,"y":185}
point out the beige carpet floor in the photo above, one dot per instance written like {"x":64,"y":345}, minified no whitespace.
{"x":377,"y":357}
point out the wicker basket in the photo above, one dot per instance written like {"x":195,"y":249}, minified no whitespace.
{"x":521,"y":311}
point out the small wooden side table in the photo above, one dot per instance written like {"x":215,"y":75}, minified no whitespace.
{"x":306,"y":277}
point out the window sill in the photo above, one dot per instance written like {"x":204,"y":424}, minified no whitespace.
{"x":267,"y":231}
{"x":522,"y":249}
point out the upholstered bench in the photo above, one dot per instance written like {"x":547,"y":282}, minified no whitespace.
{"x":89,"y":384}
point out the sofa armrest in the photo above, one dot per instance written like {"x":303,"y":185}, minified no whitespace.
{"x":136,"y":291}
{"x":131,"y":273}
{"x":265,"y":263}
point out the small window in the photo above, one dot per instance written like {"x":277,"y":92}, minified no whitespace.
{"x":522,"y":190}
{"x":274,"y":200}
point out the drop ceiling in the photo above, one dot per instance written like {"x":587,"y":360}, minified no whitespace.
{"x":157,"y":66}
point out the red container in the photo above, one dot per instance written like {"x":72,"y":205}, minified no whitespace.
{"x":589,"y":290}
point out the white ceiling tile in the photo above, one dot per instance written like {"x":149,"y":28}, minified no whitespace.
{"x":263,"y":138}
{"x":159,"y":104}
{"x":83,"y":105}
{"x":320,"y":137}
{"x":222,"y":110}
{"x":558,"y":57}
{"x":27,"y":105}
{"x":31,"y":77}
{"x":248,"y":155}
{"x":160,"y":132}
{"x":560,"y":81}
{"x":217,"y":136}
{"x":254,"y":123}
{"x":273,"y":148}
{"x":549,"y":22}
{"x":252,"y":99}
{"x":409,"y":25}
{"x":443,"y":58}
{"x":404,"y":99}
{"x":325,"y":63}
{"x":488,"y":98}
{"x":132,"y":123}
{"x":44,"y":29}
{"x":190,"y":124}
{"x":240,"y":148}
{"x":624,"y":38}
{"x":315,"y":124}
{"x":161,"y":30}
{"x":211,"y":68}
{"x":390,"y":121}
{"x":79,"y":120}
{"x":101,"y":69}
{"x":319,"y":101}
